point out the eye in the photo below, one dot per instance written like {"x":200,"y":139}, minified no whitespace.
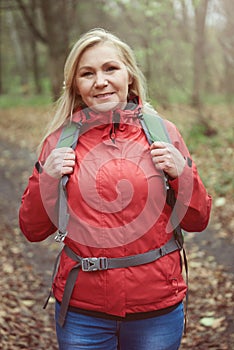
{"x":87,"y":74}
{"x":111,"y":68}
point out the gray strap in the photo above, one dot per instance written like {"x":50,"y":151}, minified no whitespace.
{"x":102,"y":263}
{"x":69,"y":286}
{"x":63,"y":215}
{"x":91,"y":264}
{"x":55,"y":269}
{"x":145,"y":258}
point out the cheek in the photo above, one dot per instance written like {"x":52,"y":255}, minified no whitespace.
{"x":82,"y":88}
{"x":125,"y":88}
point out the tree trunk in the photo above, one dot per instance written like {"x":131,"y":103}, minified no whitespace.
{"x":55,"y":15}
{"x":200,"y":10}
{"x":19,"y":55}
{"x":56,"y":25}
{"x":227,"y":43}
{"x":35,"y":55}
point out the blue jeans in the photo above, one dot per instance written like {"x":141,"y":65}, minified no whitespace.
{"x":88,"y":332}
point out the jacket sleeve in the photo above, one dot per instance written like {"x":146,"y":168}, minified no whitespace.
{"x":193,"y":203}
{"x":38,"y":209}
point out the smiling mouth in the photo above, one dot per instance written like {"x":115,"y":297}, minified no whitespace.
{"x":104,"y":96}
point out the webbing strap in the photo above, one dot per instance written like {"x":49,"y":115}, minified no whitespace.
{"x":70,"y":283}
{"x":69,"y":135}
{"x":187,"y":293}
{"x":126,"y":261}
{"x":154,"y":128}
{"x":92,"y":264}
{"x":69,"y":138}
{"x":53,"y":276}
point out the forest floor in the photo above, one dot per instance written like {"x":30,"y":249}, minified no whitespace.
{"x":27,"y":267}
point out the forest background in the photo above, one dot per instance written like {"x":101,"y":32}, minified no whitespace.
{"x":186,"y":50}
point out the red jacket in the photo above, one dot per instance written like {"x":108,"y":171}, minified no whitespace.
{"x":117,"y":208}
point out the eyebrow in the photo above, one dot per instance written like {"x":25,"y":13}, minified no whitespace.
{"x":105,"y":63}
{"x":85,"y":67}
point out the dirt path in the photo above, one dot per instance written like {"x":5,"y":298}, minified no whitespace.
{"x":27,"y":270}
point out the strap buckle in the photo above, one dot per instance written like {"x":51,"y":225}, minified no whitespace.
{"x":60,"y":236}
{"x":94,"y":264}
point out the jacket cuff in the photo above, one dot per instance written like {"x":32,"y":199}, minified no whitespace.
{"x":49,"y":190}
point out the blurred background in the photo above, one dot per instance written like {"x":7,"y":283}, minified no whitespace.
{"x":186,"y":50}
{"x":184,"y":47}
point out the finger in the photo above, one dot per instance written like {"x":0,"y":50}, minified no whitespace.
{"x":162,"y":159}
{"x":69,"y":156}
{"x":65,"y":150}
{"x":66,"y":170}
{"x":68,"y":163}
{"x":158,"y":152}
{"x":159,"y":145}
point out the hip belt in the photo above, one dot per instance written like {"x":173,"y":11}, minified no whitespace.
{"x":92,"y":264}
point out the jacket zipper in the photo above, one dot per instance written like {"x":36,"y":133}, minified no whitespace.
{"x":115,"y":123}
{"x":112,"y":132}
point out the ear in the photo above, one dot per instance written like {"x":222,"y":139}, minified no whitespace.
{"x":130,"y":79}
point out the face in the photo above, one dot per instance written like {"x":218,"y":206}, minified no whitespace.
{"x":102,"y":78}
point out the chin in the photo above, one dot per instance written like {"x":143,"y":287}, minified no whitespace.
{"x":108,"y":106}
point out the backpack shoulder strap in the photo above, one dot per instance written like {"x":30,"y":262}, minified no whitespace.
{"x":156,"y":128}
{"x":69,"y":135}
{"x":68,"y":138}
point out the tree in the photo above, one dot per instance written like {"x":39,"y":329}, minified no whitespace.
{"x":200,"y":11}
{"x":35,"y":53}
{"x":20,"y":57}
{"x":171,"y":39}
{"x":55,"y":35}
{"x":226,"y":39}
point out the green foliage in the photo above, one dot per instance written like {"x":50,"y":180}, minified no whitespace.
{"x":196,"y":136}
{"x":161,"y":33}
{"x":217,"y":99}
{"x":216,"y":153}
{"x":16,"y":100}
{"x":224,"y":185}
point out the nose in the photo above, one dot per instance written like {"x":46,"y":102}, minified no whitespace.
{"x":101,"y":80}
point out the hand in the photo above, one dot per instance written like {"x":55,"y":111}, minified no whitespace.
{"x":61,"y":161}
{"x":167,"y":158}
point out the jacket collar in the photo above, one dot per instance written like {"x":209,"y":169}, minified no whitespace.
{"x":123,"y":116}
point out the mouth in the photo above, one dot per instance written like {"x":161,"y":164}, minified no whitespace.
{"x":104,"y":95}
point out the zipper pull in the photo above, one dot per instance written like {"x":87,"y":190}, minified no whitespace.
{"x":112,"y":131}
{"x":112,"y":136}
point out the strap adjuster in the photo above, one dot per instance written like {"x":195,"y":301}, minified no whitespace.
{"x":60,"y":236}
{"x":94,"y":264}
{"x":163,"y":251}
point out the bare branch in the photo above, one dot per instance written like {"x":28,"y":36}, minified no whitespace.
{"x":28,"y":19}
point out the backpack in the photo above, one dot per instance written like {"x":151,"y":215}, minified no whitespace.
{"x":155,"y":130}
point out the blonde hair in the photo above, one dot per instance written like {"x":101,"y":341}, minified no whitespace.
{"x":70,"y":100}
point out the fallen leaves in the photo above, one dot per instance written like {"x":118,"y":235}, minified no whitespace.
{"x":213,"y":322}
{"x":211,"y":303}
{"x":23,"y":322}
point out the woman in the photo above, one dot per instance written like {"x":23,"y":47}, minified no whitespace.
{"x":117,"y":205}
